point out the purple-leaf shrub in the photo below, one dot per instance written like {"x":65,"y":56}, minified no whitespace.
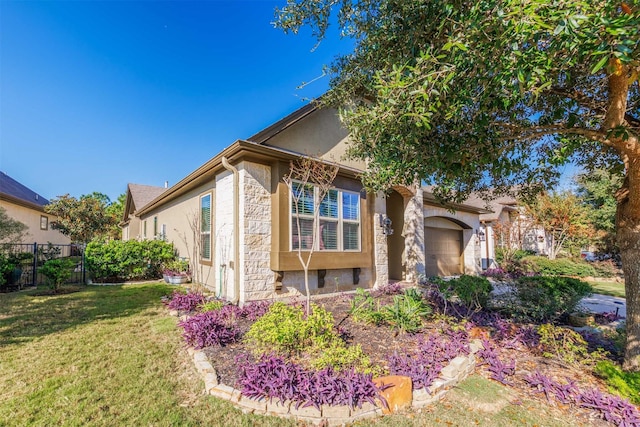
{"x":254,"y":310}
{"x":498,"y":273}
{"x":388,"y":289}
{"x":499,"y":370}
{"x":613,"y":409}
{"x":565,"y":393}
{"x":424,"y":366}
{"x":273,"y":377}
{"x":185,"y":302}
{"x":210,"y":328}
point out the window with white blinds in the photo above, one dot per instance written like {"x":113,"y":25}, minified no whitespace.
{"x":205,"y":227}
{"x":338,"y":227}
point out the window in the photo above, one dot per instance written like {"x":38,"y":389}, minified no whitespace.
{"x":155,"y":227}
{"x":338,"y":219}
{"x":205,"y":227}
{"x":44,"y":222}
{"x":144,"y":229}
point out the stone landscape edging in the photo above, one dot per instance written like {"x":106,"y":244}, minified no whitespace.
{"x":457,"y":370}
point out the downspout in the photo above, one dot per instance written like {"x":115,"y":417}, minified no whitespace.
{"x":236,"y":228}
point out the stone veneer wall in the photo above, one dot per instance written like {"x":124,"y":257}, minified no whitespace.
{"x":380,"y":248}
{"x":256,"y":278}
{"x":457,"y":370}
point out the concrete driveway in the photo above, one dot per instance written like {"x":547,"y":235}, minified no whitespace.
{"x":598,"y":303}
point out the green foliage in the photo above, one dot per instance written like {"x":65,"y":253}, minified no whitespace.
{"x":342,"y":357}
{"x":473,"y":291}
{"x":560,"y":266}
{"x":597,"y":191}
{"x":127,"y":260}
{"x":542,"y":298}
{"x":57,"y":272}
{"x":567,"y":345}
{"x":486,"y":96}
{"x":284,"y":329}
{"x":212,"y":305}
{"x":82,"y":219}
{"x":116,"y":211}
{"x":407,"y":311}
{"x":9,"y":264}
{"x":625,"y":384}
{"x":11,"y":230}
{"x":563,"y":217}
{"x":365,"y":309}
{"x":177,"y":266}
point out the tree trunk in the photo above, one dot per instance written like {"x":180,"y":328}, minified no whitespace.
{"x":628,"y":235}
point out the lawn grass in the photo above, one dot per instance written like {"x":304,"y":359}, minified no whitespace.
{"x":105,"y":356}
{"x":111,"y":356}
{"x":614,"y":289}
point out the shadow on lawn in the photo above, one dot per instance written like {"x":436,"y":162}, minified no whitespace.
{"x":24,"y":316}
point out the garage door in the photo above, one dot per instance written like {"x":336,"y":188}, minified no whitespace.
{"x":443,"y":250}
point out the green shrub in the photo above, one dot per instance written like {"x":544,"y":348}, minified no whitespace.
{"x":544,"y":299}
{"x":365,"y":309}
{"x":407,"y":311}
{"x":560,"y":266}
{"x":473,"y":291}
{"x":127,"y":260}
{"x":625,"y":384}
{"x":57,"y":272}
{"x":342,"y":357}
{"x":567,"y":345}
{"x":285,"y":330}
{"x":213,"y":305}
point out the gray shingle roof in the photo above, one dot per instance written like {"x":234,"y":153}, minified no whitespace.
{"x":141,"y":194}
{"x":12,"y":188}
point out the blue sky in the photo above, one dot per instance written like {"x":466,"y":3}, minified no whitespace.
{"x":96,"y":94}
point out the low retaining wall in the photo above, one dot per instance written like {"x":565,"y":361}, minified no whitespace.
{"x":457,"y":370}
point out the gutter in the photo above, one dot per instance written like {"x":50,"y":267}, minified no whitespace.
{"x":236,"y":229}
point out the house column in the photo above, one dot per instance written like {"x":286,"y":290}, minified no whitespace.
{"x":413,"y":232}
{"x":380,"y":248}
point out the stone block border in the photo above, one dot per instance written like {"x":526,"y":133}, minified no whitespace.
{"x":457,"y":370}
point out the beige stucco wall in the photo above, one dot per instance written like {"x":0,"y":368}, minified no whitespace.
{"x":320,"y":134}
{"x":470,"y":243}
{"x":31,"y":218}
{"x":177,"y":217}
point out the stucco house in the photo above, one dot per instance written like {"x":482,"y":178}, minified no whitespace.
{"x":507,"y":225}
{"x":27,"y":206}
{"x":232,"y":218}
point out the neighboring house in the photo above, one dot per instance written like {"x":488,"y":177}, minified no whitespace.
{"x":137,"y":197}
{"x":232,"y":218}
{"x":27,"y":206}
{"x":507,"y":225}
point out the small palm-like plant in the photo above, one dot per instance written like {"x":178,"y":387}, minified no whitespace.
{"x":407,"y":311}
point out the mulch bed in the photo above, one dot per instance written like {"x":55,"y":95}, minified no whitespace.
{"x":379,"y":342}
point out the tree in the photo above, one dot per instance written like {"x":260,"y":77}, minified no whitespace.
{"x":116,"y":212}
{"x":597,"y":190}
{"x":11,"y":230}
{"x":309,"y":182}
{"x":81,"y":219}
{"x":564,"y":220}
{"x":492,"y":93}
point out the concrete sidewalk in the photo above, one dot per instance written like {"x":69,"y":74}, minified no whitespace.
{"x":598,"y":303}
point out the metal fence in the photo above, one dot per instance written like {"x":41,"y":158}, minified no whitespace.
{"x":31,"y":256}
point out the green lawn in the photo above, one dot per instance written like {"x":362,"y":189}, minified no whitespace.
{"x":608,"y":288}
{"x":111,"y":356}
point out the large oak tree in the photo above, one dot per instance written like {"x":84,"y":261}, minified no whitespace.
{"x":489,"y":94}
